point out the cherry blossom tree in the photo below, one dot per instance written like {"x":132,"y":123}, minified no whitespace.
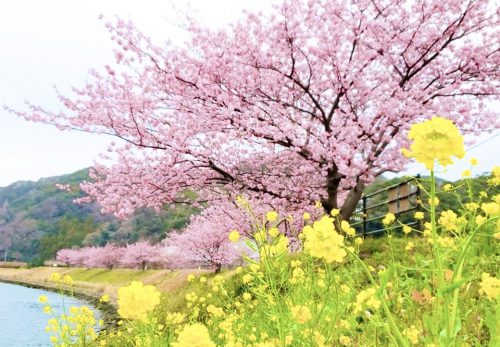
{"x":206,"y":240}
{"x":140,"y":255}
{"x":310,"y":102}
{"x":71,"y":257}
{"x":108,"y":256}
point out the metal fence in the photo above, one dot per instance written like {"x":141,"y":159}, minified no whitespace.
{"x":400,"y":199}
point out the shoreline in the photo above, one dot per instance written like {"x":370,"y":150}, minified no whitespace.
{"x":90,"y":284}
{"x":108,"y":311}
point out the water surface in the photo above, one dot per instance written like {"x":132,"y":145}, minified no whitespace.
{"x":22,"y":321}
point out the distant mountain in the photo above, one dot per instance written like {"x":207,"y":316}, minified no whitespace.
{"x":36,"y":219}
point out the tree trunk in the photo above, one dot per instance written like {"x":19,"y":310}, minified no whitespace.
{"x":332,"y":185}
{"x":352,"y":200}
{"x":218,"y":267}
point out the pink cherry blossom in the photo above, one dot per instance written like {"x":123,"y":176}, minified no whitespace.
{"x":310,"y":102}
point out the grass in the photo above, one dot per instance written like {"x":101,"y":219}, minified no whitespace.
{"x":95,"y":282}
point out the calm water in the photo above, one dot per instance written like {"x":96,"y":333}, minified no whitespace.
{"x":22,"y":321}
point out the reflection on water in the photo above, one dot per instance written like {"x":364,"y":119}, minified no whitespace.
{"x":22,"y":321}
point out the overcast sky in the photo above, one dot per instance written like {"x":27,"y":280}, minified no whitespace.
{"x":55,"y":42}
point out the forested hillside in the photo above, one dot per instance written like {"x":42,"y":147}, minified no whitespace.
{"x":37,"y":219}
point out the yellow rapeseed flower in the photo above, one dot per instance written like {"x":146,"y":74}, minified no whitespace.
{"x":494,"y":180}
{"x":389,"y":219}
{"x":489,"y":286}
{"x":345,"y":340}
{"x":247,"y":278}
{"x":346,"y":227}
{"x":55,"y":277}
{"x":335,"y":212}
{"x":366,"y":298}
{"x":274,"y":232}
{"x":43,"y":299}
{"x":466,"y":173}
{"x":448,"y":220}
{"x":104,"y":298}
{"x":306,"y":216}
{"x":437,"y":139}
{"x":473,"y":161}
{"x":491,"y":209}
{"x":406,"y":229}
{"x":301,"y":314}
{"x":413,"y":334}
{"x":194,"y":335}
{"x":136,"y":300}
{"x":234,"y":236}
{"x":271,"y":216}
{"x":419,"y":215}
{"x":322,"y":241}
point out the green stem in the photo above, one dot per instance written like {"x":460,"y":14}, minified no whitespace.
{"x":390,"y":318}
{"x":438,"y":261}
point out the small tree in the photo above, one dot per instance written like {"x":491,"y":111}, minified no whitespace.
{"x":205,"y":240}
{"x":140,"y":254}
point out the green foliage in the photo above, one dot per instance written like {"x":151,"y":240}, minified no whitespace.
{"x":65,"y":233}
{"x":37,"y":219}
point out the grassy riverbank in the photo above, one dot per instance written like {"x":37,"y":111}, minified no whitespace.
{"x":96,"y":282}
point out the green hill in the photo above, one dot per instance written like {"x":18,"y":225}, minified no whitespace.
{"x":37,"y":219}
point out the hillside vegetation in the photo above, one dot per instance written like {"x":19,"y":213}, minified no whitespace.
{"x":37,"y":219}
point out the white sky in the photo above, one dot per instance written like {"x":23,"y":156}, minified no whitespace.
{"x":55,"y":42}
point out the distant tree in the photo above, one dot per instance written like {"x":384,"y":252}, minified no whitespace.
{"x":140,"y":255}
{"x":205,"y":240}
{"x":108,"y":256}
{"x":71,"y":257}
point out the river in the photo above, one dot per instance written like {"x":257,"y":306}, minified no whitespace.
{"x":22,"y":321}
